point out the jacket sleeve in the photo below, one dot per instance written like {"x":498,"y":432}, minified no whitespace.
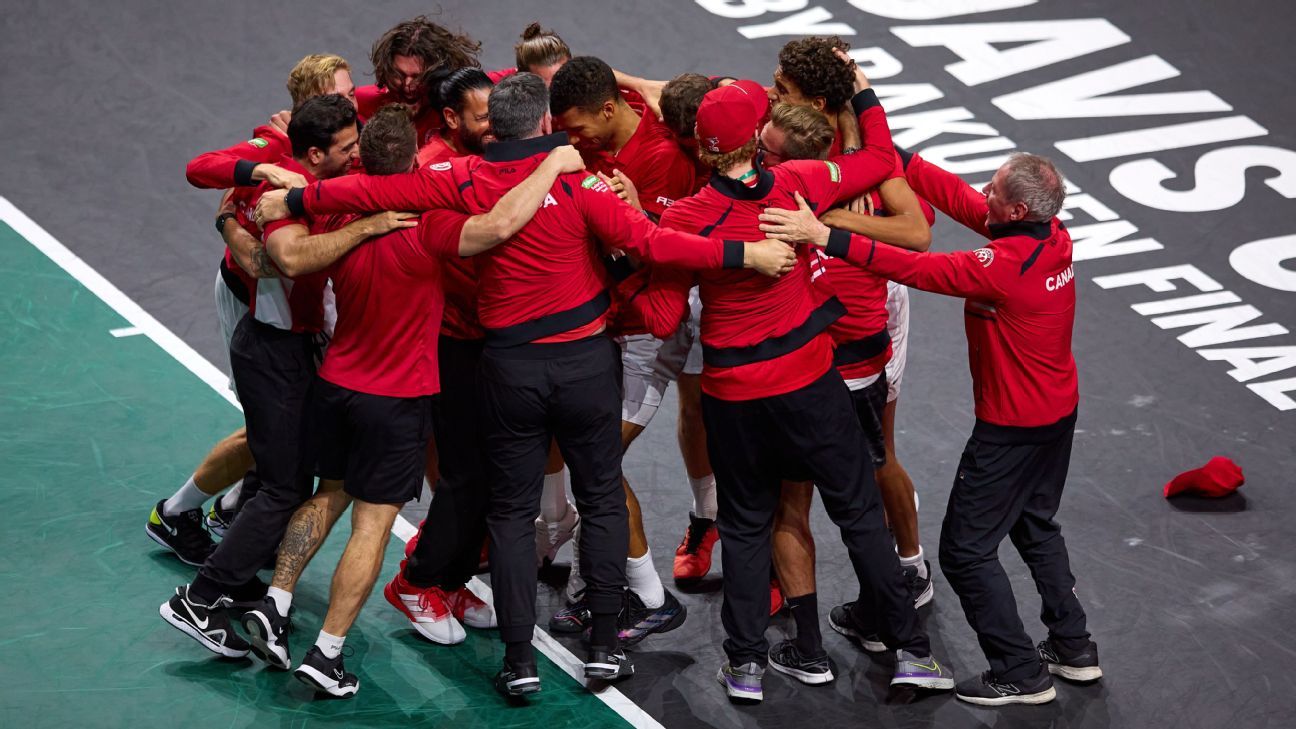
{"x":664,"y":301}
{"x":867,"y":168}
{"x":947,"y":192}
{"x":423,"y":189}
{"x":232,"y":167}
{"x":966,"y":274}
{"x":617,"y":225}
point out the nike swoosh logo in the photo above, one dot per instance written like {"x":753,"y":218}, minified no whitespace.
{"x":200,"y":624}
{"x":934,"y":667}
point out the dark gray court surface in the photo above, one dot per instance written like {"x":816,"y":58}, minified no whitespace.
{"x":1192,"y":604}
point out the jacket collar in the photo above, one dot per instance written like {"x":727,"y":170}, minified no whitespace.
{"x":516,"y":149}
{"x":736,"y":190}
{"x":1029,"y":228}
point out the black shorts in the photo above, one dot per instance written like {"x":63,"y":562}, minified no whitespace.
{"x":869,"y":403}
{"x":377,"y":445}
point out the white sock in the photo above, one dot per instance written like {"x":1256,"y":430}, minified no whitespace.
{"x":575,"y":583}
{"x":188,"y":497}
{"x":914,"y":561}
{"x":704,"y":496}
{"x":643,"y":579}
{"x":282,"y":599}
{"x":229,"y":499}
{"x":553,"y":500}
{"x":330,"y":645}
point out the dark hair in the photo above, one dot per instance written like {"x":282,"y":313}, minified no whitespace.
{"x":388,"y":143}
{"x":679,"y":102}
{"x":454,"y":89}
{"x":316,"y":120}
{"x":584,"y":82}
{"x":440,"y":50}
{"x":516,"y":105}
{"x":811,"y":64}
{"x":539,"y":47}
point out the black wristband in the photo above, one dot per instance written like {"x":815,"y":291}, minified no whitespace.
{"x":734,"y":251}
{"x":220,"y":221}
{"x":243,"y":173}
{"x":294,"y":201}
{"x":864,"y":100}
{"x":838,"y":243}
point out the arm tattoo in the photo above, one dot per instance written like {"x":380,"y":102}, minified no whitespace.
{"x":261,"y":260}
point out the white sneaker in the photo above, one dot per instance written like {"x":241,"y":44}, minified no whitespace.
{"x":551,"y":536}
{"x":426,"y":610}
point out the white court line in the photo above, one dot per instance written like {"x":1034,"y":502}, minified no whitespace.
{"x":126,"y":332}
{"x":217,"y":380}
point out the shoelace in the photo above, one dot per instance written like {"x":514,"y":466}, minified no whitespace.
{"x":425,"y":601}
{"x":693,"y":539}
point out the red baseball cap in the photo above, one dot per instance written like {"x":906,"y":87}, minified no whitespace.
{"x":730,"y":116}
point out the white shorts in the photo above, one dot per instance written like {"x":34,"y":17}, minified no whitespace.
{"x":229,"y":310}
{"x":898,"y":327}
{"x":649,"y":365}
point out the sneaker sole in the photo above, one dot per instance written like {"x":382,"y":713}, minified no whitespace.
{"x":523,"y":686}
{"x":179,"y":624}
{"x":259,"y":636}
{"x":1072,"y":673}
{"x":934,"y":684}
{"x":739,"y":695}
{"x":608,"y":671}
{"x":868,"y":645}
{"x":168,"y":547}
{"x":322,"y":683}
{"x":805,"y":677}
{"x":455,"y":638}
{"x":1042,"y":697}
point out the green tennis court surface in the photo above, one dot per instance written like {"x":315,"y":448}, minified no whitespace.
{"x":94,"y":429}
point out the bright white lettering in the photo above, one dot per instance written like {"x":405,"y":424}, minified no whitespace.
{"x":1099,"y":240}
{"x":1219,"y":326}
{"x":1159,"y":279}
{"x":1261,"y":262}
{"x":750,"y":8}
{"x":935,"y":9}
{"x":1159,"y":139}
{"x":806,"y":22}
{"x":1086,"y":94}
{"x":1221,"y":179}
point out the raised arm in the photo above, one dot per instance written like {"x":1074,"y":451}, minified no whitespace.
{"x":234,"y":166}
{"x":903,"y":225}
{"x":946,"y":192}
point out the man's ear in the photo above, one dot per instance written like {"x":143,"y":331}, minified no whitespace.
{"x":609,"y":109}
{"x":819,"y":103}
{"x":1019,"y":211}
{"x":315,"y":155}
{"x":546,"y":123}
{"x":451,"y":118}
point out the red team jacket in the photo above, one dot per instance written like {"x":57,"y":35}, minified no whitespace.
{"x":1020,"y":308}
{"x":232,"y":167}
{"x":763,"y":337}
{"x":459,"y":276}
{"x":548,"y":283}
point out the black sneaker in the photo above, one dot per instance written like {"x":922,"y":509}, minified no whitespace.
{"x":514,"y":681}
{"x":1073,"y":666}
{"x":183,"y":534}
{"x":920,"y":588}
{"x":787,"y":658}
{"x":269,"y":633}
{"x":247,"y":596}
{"x":608,"y":665}
{"x":574,"y":618}
{"x":219,"y":518}
{"x":326,"y":675}
{"x":842,"y":619}
{"x":208,"y":624}
{"x":986,"y":690}
{"x":636,"y":622}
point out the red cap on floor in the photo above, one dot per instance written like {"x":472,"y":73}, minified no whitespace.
{"x":1219,"y":477}
{"x":729,"y":116}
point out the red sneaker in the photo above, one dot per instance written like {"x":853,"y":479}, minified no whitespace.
{"x":776,"y":597}
{"x":426,"y":609}
{"x":470,"y":610}
{"x":693,"y":556}
{"x":411,"y":544}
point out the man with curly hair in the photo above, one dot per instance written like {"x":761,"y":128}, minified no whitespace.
{"x":810,"y":74}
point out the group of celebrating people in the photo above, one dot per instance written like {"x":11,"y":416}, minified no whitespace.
{"x":489,"y":280}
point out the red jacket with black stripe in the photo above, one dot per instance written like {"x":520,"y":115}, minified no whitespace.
{"x":1020,"y":308}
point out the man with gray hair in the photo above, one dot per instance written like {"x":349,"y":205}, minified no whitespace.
{"x":1019,"y":315}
